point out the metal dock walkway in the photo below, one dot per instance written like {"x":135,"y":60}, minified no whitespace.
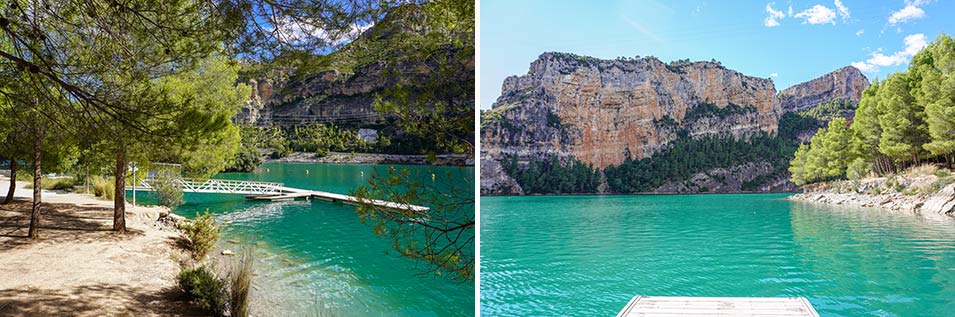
{"x":292,"y":193}
{"x":652,"y":306}
{"x":268,"y":191}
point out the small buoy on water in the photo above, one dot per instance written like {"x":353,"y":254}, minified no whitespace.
{"x":306,"y":171}
{"x":362,"y":174}
{"x":267,"y":170}
{"x":432,"y":177}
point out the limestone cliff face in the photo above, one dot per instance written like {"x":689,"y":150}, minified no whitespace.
{"x":326,"y":97}
{"x":602,"y":111}
{"x":847,"y":83}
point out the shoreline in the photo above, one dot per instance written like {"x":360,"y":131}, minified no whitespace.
{"x":904,"y":194}
{"x":637,"y":194}
{"x":373,"y":158}
{"x":80,"y":267}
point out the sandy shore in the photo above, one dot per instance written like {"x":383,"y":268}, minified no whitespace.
{"x":79,"y":267}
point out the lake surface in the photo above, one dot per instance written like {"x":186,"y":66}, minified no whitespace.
{"x":316,"y":258}
{"x":588,"y":255}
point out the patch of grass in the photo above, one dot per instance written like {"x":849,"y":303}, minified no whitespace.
{"x":104,"y":188}
{"x":892,"y":184}
{"x":200,"y":235}
{"x":941,"y":173}
{"x":920,"y":170}
{"x":23,"y":175}
{"x":205,"y":289}
{"x":938,"y":184}
{"x":61,"y":183}
{"x":240,"y":284}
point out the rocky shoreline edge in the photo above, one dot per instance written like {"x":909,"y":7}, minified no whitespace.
{"x":925,"y":194}
{"x":375,"y":158}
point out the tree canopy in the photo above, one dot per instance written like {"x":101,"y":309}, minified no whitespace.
{"x":906,"y":119}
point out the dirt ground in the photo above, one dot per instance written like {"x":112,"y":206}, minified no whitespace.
{"x":79,"y":267}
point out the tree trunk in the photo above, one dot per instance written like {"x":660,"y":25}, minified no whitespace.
{"x":13,"y":181}
{"x":119,"y":201}
{"x":37,"y":186}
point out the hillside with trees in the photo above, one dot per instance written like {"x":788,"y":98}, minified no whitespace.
{"x":904,"y":120}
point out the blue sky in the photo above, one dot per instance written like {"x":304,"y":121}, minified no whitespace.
{"x":788,"y":41}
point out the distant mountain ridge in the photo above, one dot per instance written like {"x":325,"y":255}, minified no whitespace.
{"x":607,"y":112}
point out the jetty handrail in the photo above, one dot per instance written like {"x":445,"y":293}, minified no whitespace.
{"x":269,"y":191}
{"x":220,"y":181}
{"x":225,"y":186}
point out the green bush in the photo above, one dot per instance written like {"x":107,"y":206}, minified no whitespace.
{"x":59,"y":183}
{"x":246,"y":160}
{"x":201,"y":234}
{"x":168,"y":190}
{"x":240,"y":284}
{"x":205,"y":289}
{"x":858,"y":169}
{"x":942,"y":173}
{"x":104,"y":187}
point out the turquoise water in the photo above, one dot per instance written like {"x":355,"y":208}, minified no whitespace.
{"x":587,"y":256}
{"x":322,"y":250}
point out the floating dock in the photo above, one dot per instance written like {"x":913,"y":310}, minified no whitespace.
{"x":653,"y":306}
{"x":288,"y":193}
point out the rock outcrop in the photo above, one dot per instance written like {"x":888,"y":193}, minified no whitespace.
{"x":325,"y":97}
{"x":899,"y":193}
{"x":598,"y":110}
{"x":729,"y":180}
{"x":844,"y":83}
{"x":603,"y":111}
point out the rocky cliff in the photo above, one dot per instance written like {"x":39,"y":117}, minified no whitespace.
{"x":847,"y":82}
{"x":603,"y":112}
{"x":330,"y":96}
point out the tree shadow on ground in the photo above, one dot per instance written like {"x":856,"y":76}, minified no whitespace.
{"x":58,"y":222}
{"x":96,"y":300}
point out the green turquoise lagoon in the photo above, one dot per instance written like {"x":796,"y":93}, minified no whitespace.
{"x":316,"y":257}
{"x":588,"y":255}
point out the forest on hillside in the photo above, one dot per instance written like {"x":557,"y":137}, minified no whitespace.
{"x":904,"y":120}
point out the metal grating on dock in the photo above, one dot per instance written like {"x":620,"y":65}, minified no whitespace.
{"x":654,"y":306}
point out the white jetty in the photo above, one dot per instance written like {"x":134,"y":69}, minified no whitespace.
{"x":653,"y":306}
{"x":269,"y":191}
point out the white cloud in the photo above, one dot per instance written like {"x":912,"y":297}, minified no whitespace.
{"x":868,"y":68}
{"x":909,"y":12}
{"x":859,"y":32}
{"x":774,"y":75}
{"x":913,"y":43}
{"x":843,"y":10}
{"x":790,"y":10}
{"x":818,"y":14}
{"x":774,"y":16}
{"x":298,"y":32}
